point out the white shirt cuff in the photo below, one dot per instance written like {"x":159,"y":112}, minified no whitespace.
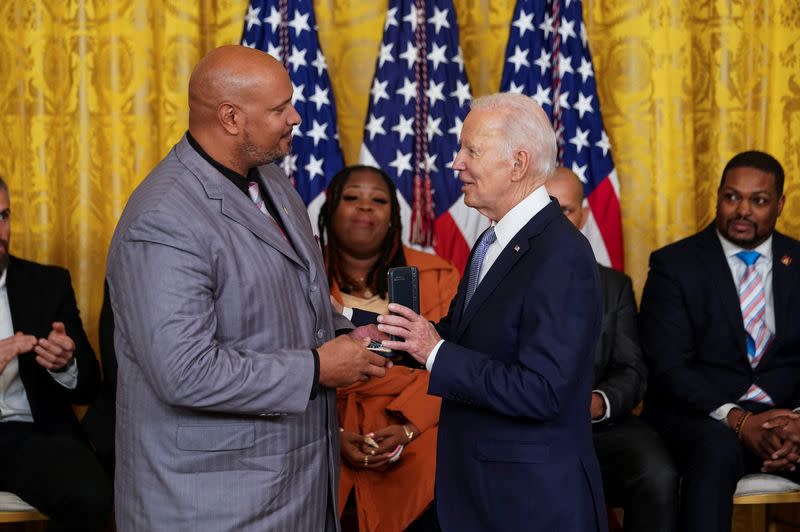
{"x":347,"y":312}
{"x":432,"y":356}
{"x":721,"y":413}
{"x":607,"y":413}
{"x":67,"y":378}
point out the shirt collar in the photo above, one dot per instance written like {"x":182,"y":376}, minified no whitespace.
{"x":233,"y":176}
{"x":3,"y":278}
{"x":730,"y":249}
{"x":522,"y":213}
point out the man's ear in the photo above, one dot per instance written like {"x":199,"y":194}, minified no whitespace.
{"x":230,"y":117}
{"x":521,"y":163}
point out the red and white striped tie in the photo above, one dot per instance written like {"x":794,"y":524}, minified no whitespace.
{"x":754,"y":309}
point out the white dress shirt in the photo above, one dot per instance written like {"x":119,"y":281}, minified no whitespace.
{"x":14,"y":405}
{"x":505,"y":229}
{"x":764,"y":268}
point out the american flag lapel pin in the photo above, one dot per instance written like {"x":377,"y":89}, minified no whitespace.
{"x":786,"y":260}
{"x":516,"y":248}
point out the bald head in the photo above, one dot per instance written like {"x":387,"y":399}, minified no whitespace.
{"x":240,"y":108}
{"x":567,"y":188}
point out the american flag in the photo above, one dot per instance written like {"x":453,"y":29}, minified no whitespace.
{"x":548,"y":58}
{"x":418,"y":101}
{"x":287,"y":30}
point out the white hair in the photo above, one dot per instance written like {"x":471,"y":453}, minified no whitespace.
{"x":525,"y":126}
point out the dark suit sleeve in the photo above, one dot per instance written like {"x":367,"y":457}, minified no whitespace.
{"x":667,"y":340}
{"x":88,"y":368}
{"x":553,"y":344}
{"x":363,"y":317}
{"x":624,"y":376}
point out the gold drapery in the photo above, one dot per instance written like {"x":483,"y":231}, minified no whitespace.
{"x":92,"y":95}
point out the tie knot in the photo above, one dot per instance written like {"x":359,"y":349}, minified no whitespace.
{"x":252,"y":189}
{"x":488,"y":237}
{"x":748,"y":257}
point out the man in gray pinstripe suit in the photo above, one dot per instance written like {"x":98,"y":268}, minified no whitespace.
{"x":226,"y":340}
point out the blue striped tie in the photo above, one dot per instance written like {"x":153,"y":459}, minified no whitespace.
{"x":477,"y":262}
{"x":754,"y":308}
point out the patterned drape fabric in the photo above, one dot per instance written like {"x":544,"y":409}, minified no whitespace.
{"x":93,"y":94}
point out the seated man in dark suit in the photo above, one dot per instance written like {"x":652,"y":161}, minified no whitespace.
{"x":637,"y":470}
{"x":46,"y":366}
{"x":720,"y":335}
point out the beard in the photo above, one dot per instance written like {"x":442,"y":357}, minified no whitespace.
{"x":747,"y":243}
{"x":258,"y":155}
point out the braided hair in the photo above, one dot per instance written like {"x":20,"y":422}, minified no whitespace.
{"x":391,"y":251}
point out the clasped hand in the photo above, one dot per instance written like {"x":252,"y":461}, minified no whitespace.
{"x":774,"y":435}
{"x":359,"y":452}
{"x":52,"y":353}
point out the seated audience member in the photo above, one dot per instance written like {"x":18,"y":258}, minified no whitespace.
{"x":719,"y":332}
{"x":637,"y":470}
{"x":46,"y":365}
{"x":360,"y":231}
{"x":100,"y":418}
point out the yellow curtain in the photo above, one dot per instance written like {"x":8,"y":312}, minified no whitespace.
{"x":92,"y":95}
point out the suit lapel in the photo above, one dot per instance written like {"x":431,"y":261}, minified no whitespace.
{"x":234,"y":204}
{"x":714,"y":261}
{"x":784,"y":278}
{"x":516,"y":248}
{"x":279,"y":188}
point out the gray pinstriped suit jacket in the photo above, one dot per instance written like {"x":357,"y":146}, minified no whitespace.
{"x":216,"y":315}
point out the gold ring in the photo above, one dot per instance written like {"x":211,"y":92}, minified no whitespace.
{"x":366,"y":460}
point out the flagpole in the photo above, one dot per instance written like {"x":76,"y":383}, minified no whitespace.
{"x":557,"y":123}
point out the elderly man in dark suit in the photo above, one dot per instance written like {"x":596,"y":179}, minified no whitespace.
{"x":225,"y":336}
{"x":512,"y":360}
{"x":720,"y":335}
{"x":637,"y":470}
{"x":45,"y":367}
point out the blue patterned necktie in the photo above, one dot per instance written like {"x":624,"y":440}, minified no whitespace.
{"x":476,"y":263}
{"x":754,"y":308}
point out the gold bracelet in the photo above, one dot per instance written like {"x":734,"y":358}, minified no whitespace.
{"x":740,"y":424}
{"x":409,"y":432}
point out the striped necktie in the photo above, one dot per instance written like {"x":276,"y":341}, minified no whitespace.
{"x":754,"y":308}
{"x":476,"y":263}
{"x":255,"y":194}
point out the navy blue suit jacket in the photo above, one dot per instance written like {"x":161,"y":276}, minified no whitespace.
{"x":515,"y":375}
{"x":692,"y":332}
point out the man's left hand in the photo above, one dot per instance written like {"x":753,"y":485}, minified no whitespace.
{"x":420,"y":336}
{"x":55,"y":351}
